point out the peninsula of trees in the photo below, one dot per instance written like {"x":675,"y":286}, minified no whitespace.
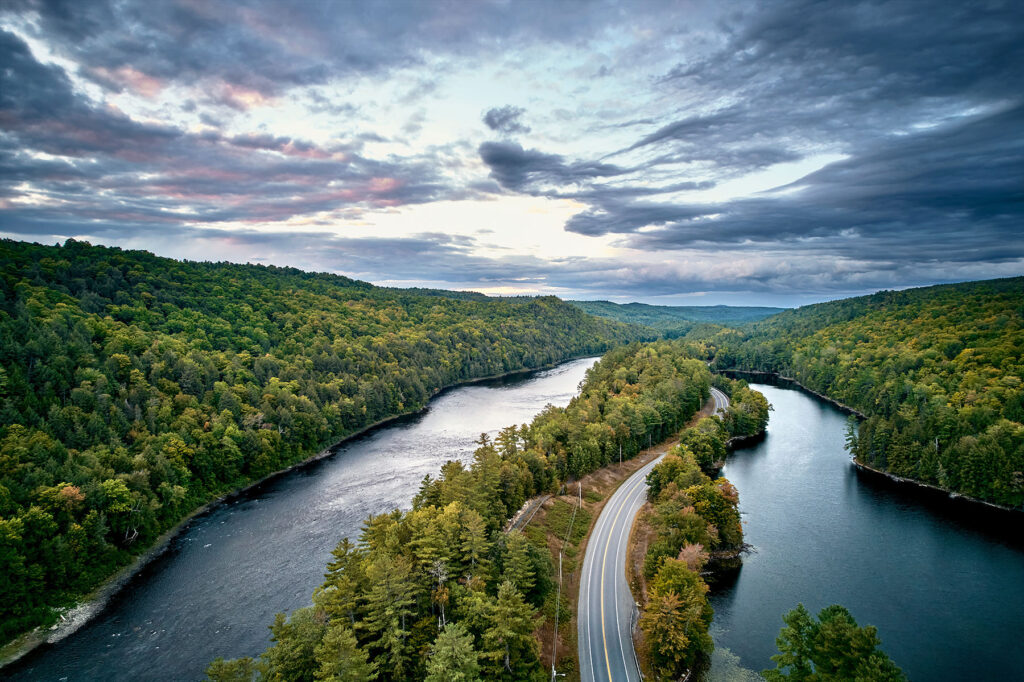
{"x":440,"y":592}
{"x":134,"y":389}
{"x":695,"y":521}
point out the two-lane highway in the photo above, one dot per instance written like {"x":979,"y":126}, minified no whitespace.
{"x":721,"y":401}
{"x":606,"y":608}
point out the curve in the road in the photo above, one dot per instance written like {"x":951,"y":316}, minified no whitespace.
{"x":606,"y":607}
{"x":721,"y":400}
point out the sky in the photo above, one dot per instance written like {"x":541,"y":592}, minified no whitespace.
{"x":691,"y":153}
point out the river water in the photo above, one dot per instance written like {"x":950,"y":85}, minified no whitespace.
{"x":942,"y":582}
{"x":217,"y":588}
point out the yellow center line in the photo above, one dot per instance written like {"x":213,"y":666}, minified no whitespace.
{"x":604,"y":561}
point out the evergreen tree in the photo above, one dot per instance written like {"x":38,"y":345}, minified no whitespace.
{"x":510,"y":650}
{"x":345,"y":582}
{"x":832,"y":649}
{"x":292,"y":657}
{"x":452,"y":657}
{"x":474,"y":545}
{"x":340,"y":659}
{"x":237,"y":670}
{"x":518,"y":566}
{"x":389,"y":606}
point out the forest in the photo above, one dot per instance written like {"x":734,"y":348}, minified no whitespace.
{"x":696,"y":526}
{"x":938,"y":371}
{"x":134,"y":389}
{"x":440,"y":592}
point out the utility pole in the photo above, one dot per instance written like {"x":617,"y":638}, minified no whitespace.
{"x":554,"y":642}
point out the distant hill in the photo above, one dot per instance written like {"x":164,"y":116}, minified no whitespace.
{"x":675,"y":319}
{"x":939,"y":371}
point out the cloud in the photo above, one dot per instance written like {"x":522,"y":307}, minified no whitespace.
{"x":951,"y":194}
{"x":524,"y":169}
{"x":506,"y":119}
{"x":109,"y":166}
{"x":155,"y":121}
{"x":268,"y":47}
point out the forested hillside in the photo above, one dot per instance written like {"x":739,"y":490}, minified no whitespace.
{"x":675,"y":320}
{"x":939,"y":371}
{"x":440,"y":592}
{"x":133,"y":389}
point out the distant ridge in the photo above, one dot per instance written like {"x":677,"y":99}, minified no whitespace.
{"x":679,"y":319}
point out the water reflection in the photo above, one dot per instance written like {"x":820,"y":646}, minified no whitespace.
{"x":944,"y":583}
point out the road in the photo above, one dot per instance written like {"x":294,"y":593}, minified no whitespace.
{"x":721,"y":400}
{"x":607,"y":612}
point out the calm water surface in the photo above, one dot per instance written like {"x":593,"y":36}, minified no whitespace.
{"x":944,"y":584}
{"x":219,"y":585}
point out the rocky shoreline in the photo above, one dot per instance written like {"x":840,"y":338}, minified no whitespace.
{"x":949,"y":494}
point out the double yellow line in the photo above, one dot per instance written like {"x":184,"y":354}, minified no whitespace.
{"x":604,"y":562}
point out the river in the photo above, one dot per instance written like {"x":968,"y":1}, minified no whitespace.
{"x":942,"y":582}
{"x":217,"y":588}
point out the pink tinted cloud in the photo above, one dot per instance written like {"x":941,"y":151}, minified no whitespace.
{"x":137,"y":82}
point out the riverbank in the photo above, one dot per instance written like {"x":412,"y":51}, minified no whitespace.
{"x":776,"y":379}
{"x":91,"y":605}
{"x":934,"y":490}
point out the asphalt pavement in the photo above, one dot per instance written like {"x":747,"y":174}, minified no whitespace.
{"x":607,"y":612}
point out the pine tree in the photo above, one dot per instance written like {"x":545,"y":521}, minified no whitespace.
{"x":510,"y":650}
{"x":518,"y":566}
{"x":452,"y":657}
{"x":295,"y":640}
{"x":340,"y":659}
{"x":237,"y":670}
{"x":390,"y":609}
{"x":832,"y":649}
{"x":474,"y":544}
{"x":345,"y":582}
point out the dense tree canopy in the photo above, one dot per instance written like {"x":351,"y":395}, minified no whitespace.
{"x":693,"y":518}
{"x":673,"y":321}
{"x":832,"y":648}
{"x":938,"y":371}
{"x":440,"y":589}
{"x":135,"y":388}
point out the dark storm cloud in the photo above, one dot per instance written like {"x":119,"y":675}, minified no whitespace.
{"x":38,"y":106}
{"x":521,"y":169}
{"x":506,"y":119}
{"x":797,"y":74}
{"x":268,"y":46}
{"x":923,"y":99}
{"x":951,"y":194}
